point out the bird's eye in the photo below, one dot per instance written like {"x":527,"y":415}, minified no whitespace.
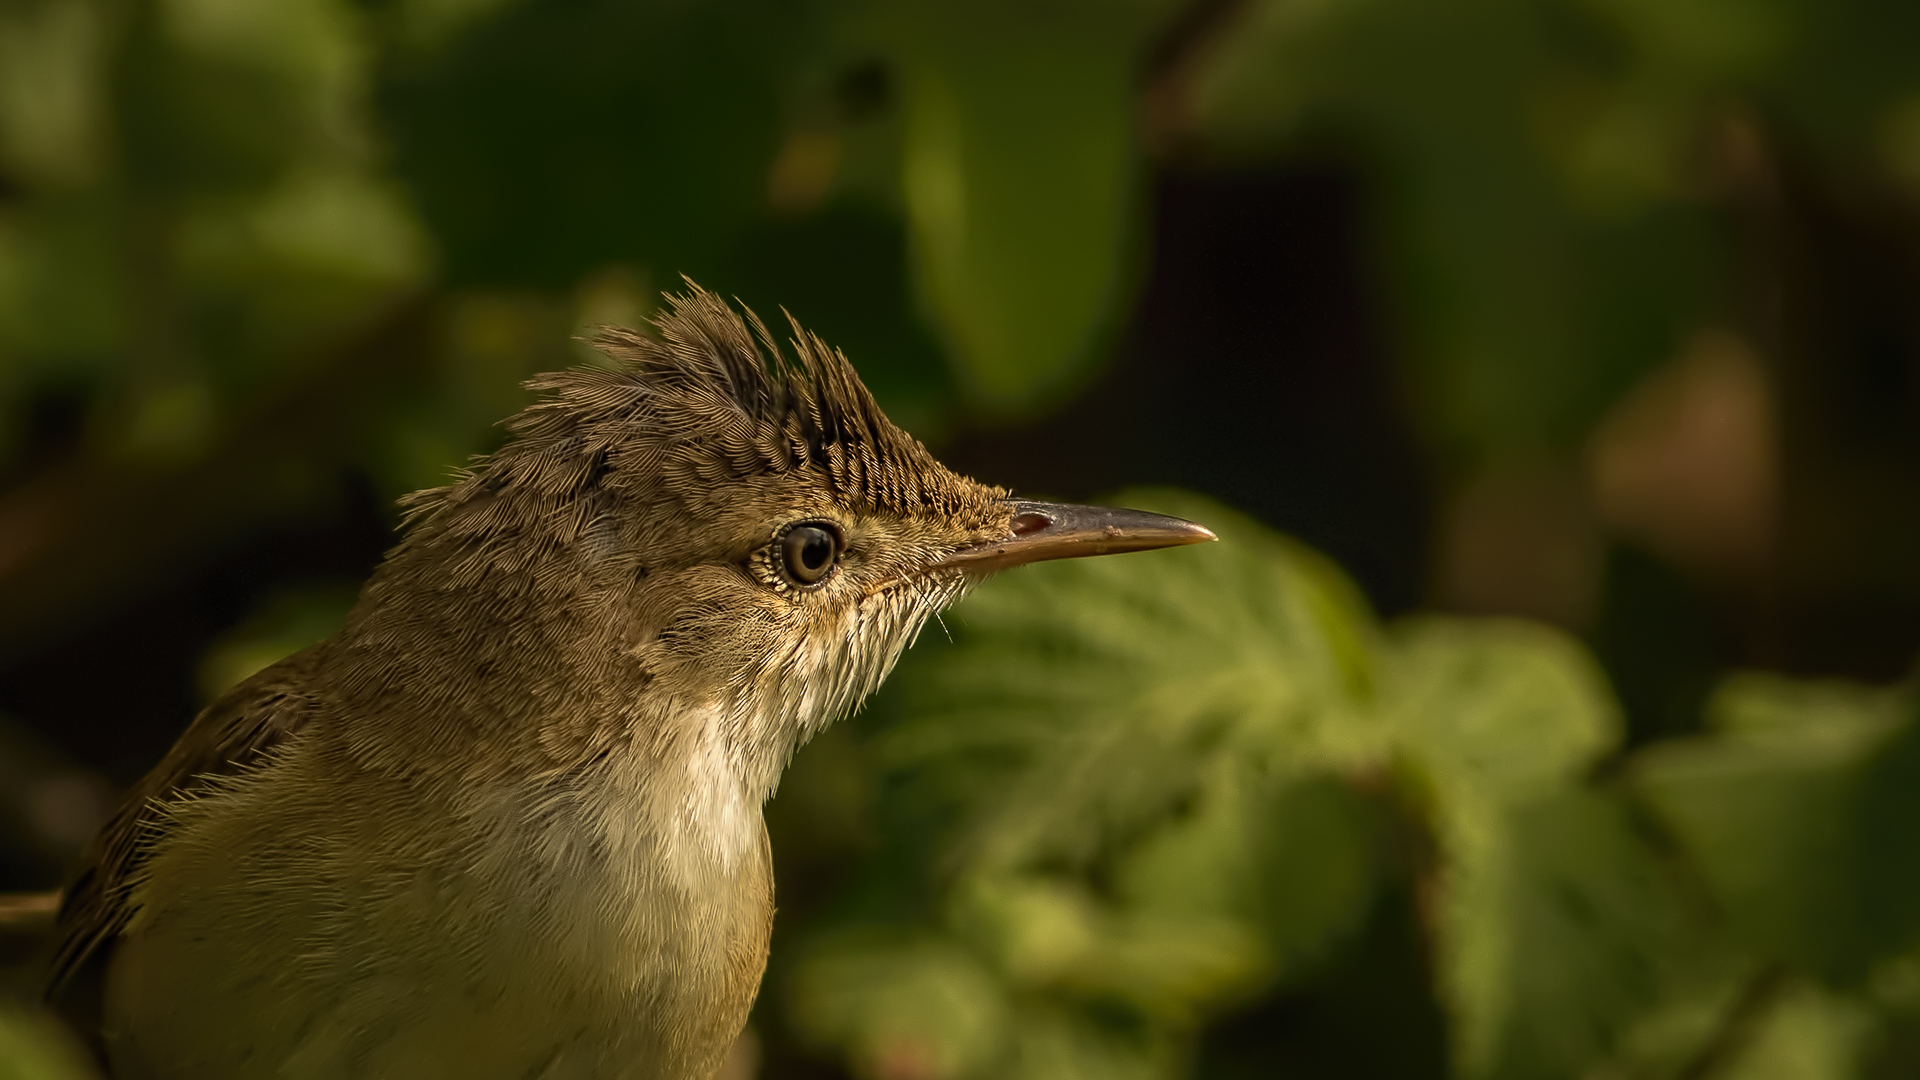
{"x":809,"y":551}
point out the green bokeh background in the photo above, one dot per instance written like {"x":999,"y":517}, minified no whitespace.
{"x":1549,"y":368}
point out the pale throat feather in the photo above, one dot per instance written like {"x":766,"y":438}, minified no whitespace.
{"x":800,"y":688}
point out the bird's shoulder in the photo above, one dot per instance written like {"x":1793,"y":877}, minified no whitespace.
{"x":231,"y":736}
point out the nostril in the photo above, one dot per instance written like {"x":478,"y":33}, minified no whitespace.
{"x":1030,"y":522}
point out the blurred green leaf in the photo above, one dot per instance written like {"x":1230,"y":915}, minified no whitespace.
{"x":1057,"y":1045}
{"x":1170,"y":775}
{"x":219,"y":216}
{"x":1532,"y":210}
{"x":33,"y":1046}
{"x":1808,"y":1033}
{"x":1556,"y":920}
{"x":1020,"y":172}
{"x":1052,"y":933}
{"x":283,"y":624}
{"x":901,"y":1006}
{"x":545,"y":139}
{"x":199,"y":118}
{"x":1087,"y":696}
{"x":52,"y":91}
{"x":59,"y":309}
{"x":1497,"y":709}
{"x":1559,"y":925}
{"x":1293,"y":861}
{"x":1798,"y":813}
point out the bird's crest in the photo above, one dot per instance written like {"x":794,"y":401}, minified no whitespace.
{"x":712,"y":397}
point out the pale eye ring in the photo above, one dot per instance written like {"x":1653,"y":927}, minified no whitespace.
{"x":809,"y":550}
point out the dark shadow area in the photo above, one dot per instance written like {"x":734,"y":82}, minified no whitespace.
{"x":1251,"y":370}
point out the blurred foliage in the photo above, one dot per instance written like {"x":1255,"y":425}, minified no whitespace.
{"x":1557,"y":174}
{"x":1134,"y":794}
{"x":199,"y":191}
{"x":34,"y":1047}
{"x":250,"y":247}
{"x":1796,"y":813}
{"x":294,"y":618}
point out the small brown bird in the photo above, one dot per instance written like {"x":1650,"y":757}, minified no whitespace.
{"x":507,"y":822}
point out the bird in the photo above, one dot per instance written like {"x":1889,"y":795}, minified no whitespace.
{"x":507,"y":822}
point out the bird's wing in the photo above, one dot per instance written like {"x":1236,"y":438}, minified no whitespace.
{"x":230,"y":737}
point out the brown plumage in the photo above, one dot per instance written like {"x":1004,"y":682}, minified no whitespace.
{"x":506,"y":822}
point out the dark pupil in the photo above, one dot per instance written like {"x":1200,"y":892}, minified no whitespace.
{"x":810,"y":552}
{"x":815,"y":549}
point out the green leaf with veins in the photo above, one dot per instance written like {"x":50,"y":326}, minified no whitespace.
{"x":1554,"y":915}
{"x":1086,"y":698}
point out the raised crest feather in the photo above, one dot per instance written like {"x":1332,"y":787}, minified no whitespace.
{"x":710,"y":396}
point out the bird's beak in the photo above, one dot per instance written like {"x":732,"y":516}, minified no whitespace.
{"x":1042,"y":531}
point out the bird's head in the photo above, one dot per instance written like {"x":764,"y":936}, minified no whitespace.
{"x":708,"y":526}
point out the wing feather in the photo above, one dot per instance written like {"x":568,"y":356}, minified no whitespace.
{"x":230,"y":737}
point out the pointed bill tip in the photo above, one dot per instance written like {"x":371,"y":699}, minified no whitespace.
{"x":1041,"y":531}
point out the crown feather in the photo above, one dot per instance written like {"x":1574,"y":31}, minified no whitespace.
{"x":710,"y":397}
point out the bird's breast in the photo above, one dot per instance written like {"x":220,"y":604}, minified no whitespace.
{"x":517,"y":929}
